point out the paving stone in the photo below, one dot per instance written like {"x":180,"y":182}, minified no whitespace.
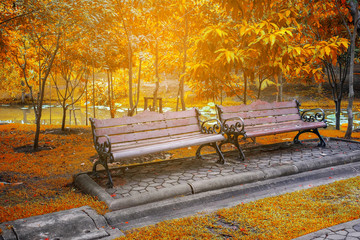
{"x":143,"y":184}
{"x":159,"y":180}
{"x":357,"y":227}
{"x":149,"y":189}
{"x":336,"y":237}
{"x":351,"y":238}
{"x":138,"y":188}
{"x":342,"y":232}
{"x":354,"y":234}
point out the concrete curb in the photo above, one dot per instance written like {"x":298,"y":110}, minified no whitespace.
{"x":227,"y":181}
{"x":52,"y":226}
{"x":89,"y":186}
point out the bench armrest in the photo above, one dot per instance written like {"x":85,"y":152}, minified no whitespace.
{"x":211,"y":128}
{"x":306,"y":116}
{"x":102,"y":148}
{"x":238,"y":126}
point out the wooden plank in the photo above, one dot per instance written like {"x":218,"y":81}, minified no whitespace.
{"x":131,"y":128}
{"x":181,"y":122}
{"x":148,"y":142}
{"x":259,"y":121}
{"x":274,"y":125}
{"x":147,"y":131}
{"x":286,"y":118}
{"x":274,"y":129}
{"x":228,"y":115}
{"x":207,"y":138}
{"x":146,"y":116}
{"x":139,"y":136}
{"x":258,"y":105}
{"x":114,"y":130}
{"x":148,"y":126}
{"x":268,"y":113}
{"x":288,"y":104}
{"x":183,"y":129}
{"x":181,"y":114}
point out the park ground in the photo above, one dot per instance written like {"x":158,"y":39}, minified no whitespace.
{"x":42,"y":182}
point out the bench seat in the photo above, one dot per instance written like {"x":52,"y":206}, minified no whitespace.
{"x":127,"y":151}
{"x":272,"y":129}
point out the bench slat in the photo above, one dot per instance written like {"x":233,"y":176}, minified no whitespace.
{"x":258,"y":105}
{"x":181,"y":114}
{"x":256,"y":132}
{"x":144,"y":135}
{"x":259,"y":121}
{"x":174,"y":144}
{"x":146,"y":116}
{"x":114,"y":130}
{"x":264,"y":113}
{"x":148,"y":142}
{"x":286,"y":118}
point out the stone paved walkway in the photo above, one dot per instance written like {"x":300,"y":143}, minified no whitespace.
{"x":345,"y":231}
{"x":135,"y":180}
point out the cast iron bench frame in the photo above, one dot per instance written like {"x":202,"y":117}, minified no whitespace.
{"x":262,"y":118}
{"x":151,"y":132}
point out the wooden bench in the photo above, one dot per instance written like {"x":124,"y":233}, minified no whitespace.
{"x":151,"y":132}
{"x":262,"y":118}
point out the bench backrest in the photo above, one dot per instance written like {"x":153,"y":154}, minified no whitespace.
{"x":146,"y":125}
{"x":261,"y":112}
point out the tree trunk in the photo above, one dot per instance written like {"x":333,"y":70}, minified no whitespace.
{"x":41,"y":94}
{"x":86,"y":97}
{"x":182,"y":80}
{"x":64,"y":119}
{"x":93,"y":81}
{"x":280,"y":80}
{"x":355,"y":6}
{"x":109,"y":94}
{"x":337,"y":113}
{"x":112,"y":95}
{"x":130,"y":79}
{"x":259,"y":90}
{"x":157,"y":84}
{"x":37,"y":132}
{"x":245,"y":87}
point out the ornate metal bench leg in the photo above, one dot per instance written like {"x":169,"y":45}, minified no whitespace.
{"x":296,"y":138}
{"x":218,"y":151}
{"x":315,"y":131}
{"x":198,"y":154}
{"x":233,"y":139}
{"x":216,"y":147}
{"x":110,"y":183}
{"x":322,"y":142}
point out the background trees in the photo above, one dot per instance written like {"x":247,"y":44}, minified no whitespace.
{"x":217,"y":48}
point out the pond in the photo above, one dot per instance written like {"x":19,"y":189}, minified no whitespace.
{"x":53,"y":114}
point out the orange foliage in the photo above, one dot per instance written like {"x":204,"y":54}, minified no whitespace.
{"x":46,"y":175}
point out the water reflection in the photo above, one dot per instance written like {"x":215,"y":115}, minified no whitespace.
{"x":53,"y":114}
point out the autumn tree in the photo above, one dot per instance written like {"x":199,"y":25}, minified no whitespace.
{"x":35,"y":45}
{"x":71,"y":81}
